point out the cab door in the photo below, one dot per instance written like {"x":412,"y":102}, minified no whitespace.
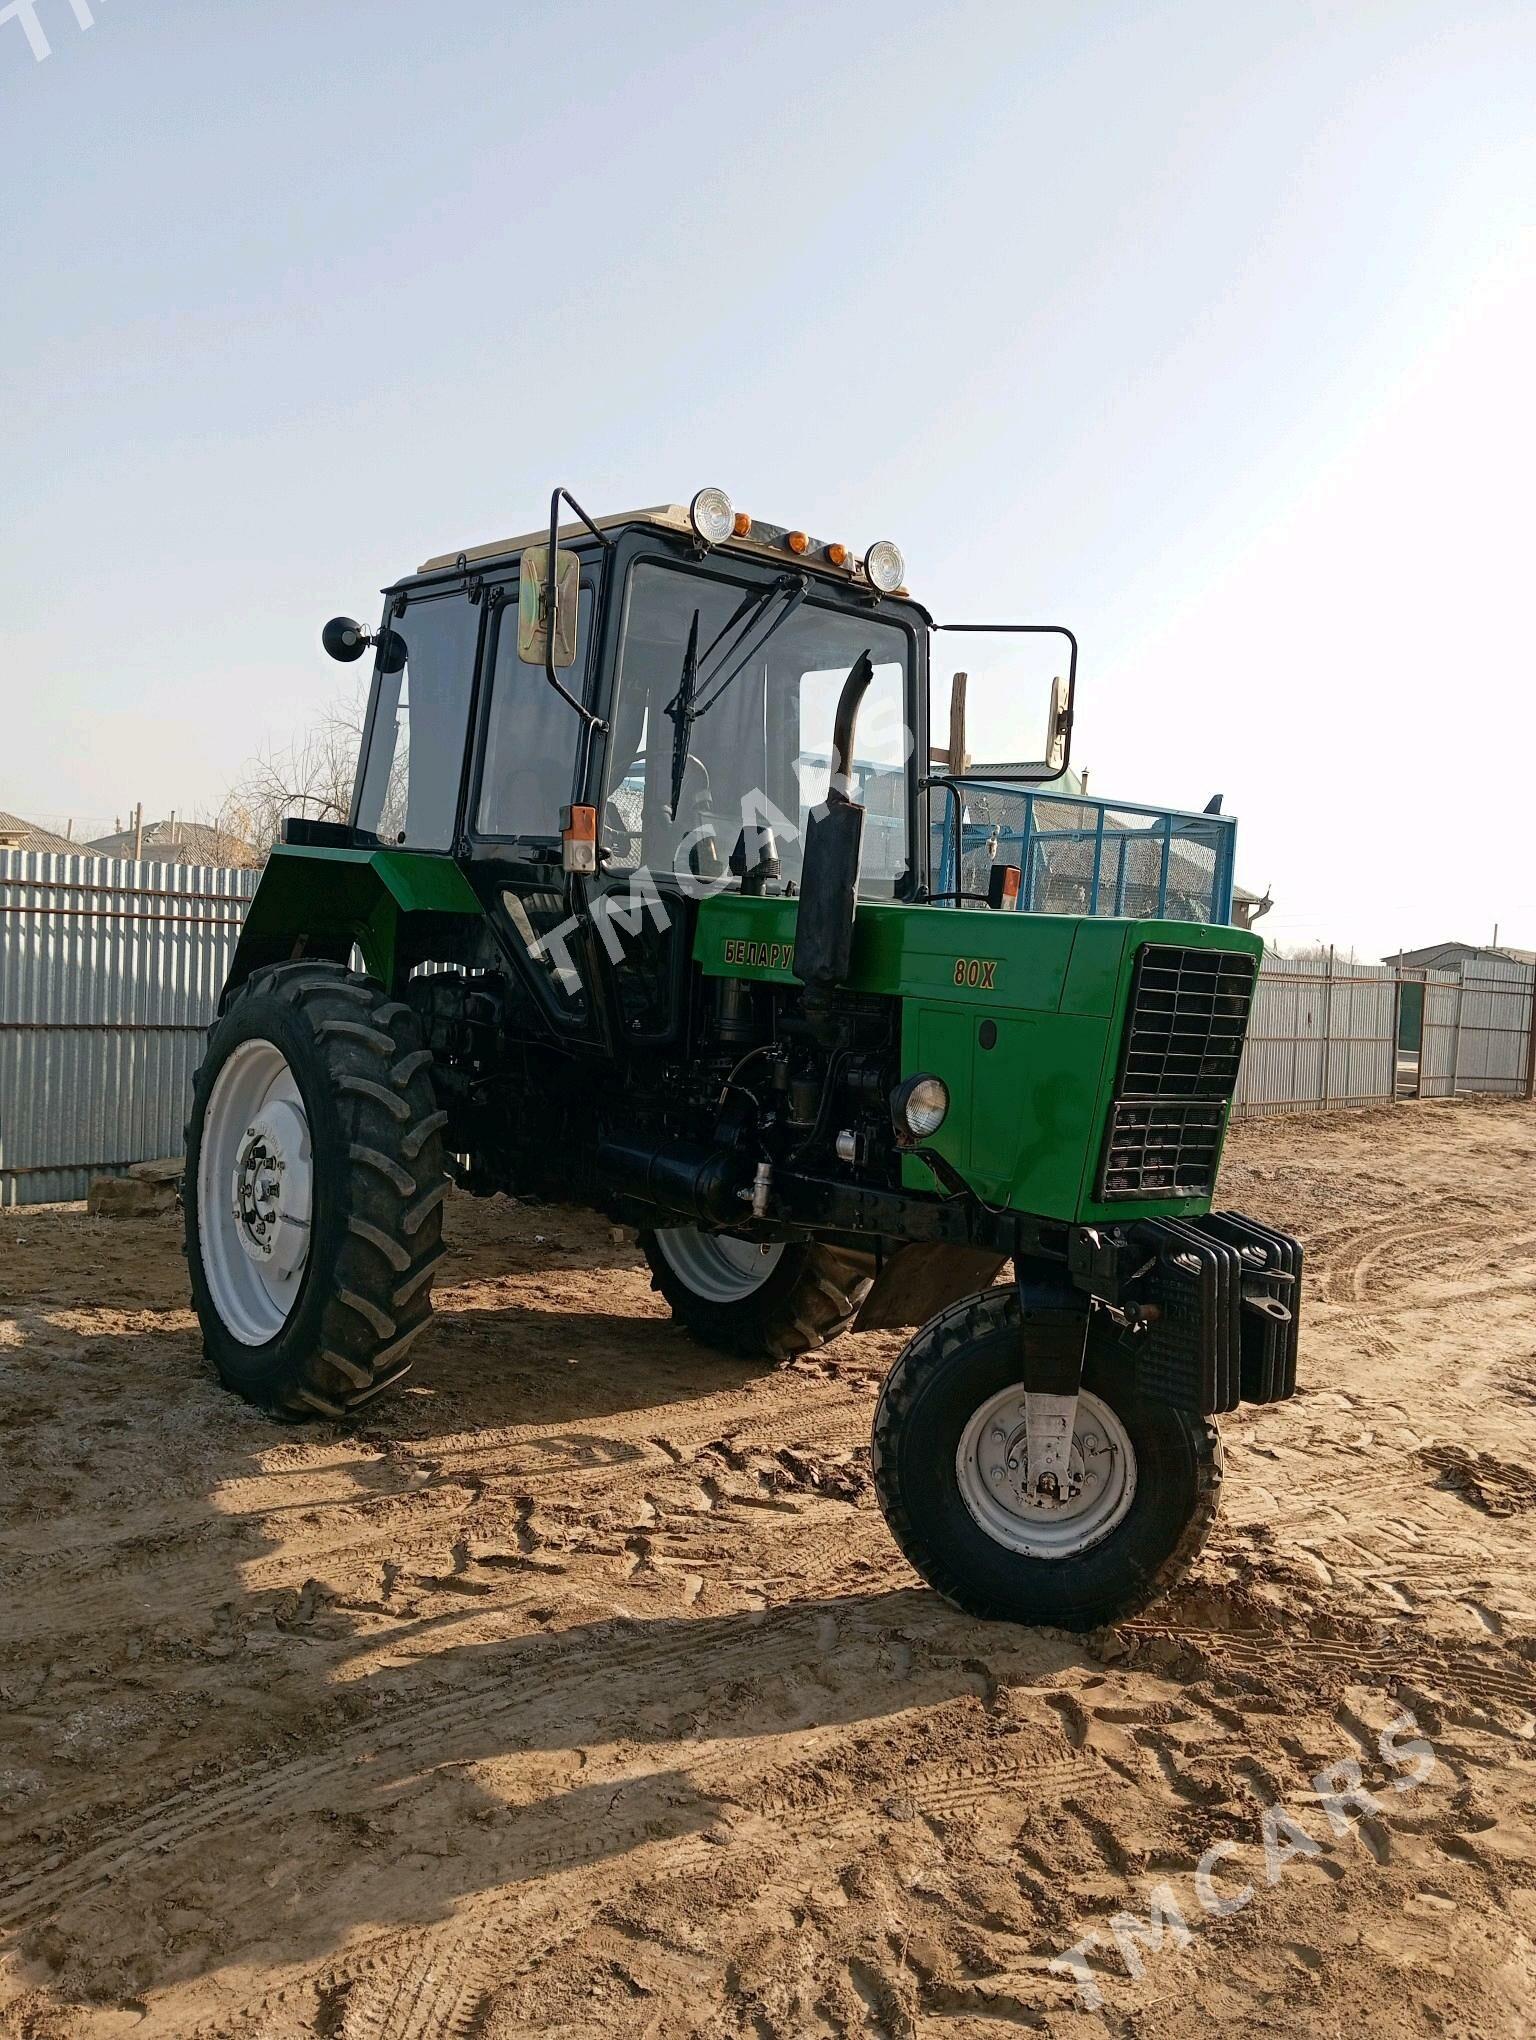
{"x":528,"y":747}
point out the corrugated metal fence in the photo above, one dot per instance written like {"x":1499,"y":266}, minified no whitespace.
{"x":109,"y":974}
{"x":1493,"y":1028}
{"x":1325,"y":1034}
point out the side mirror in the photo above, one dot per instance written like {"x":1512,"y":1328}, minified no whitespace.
{"x":1059,"y":728}
{"x":344,"y":639}
{"x":1010,"y":720}
{"x":539,"y":598}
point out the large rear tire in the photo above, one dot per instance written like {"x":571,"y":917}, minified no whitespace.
{"x":1146,"y":1479}
{"x":315,"y":1186}
{"x":768,"y":1301}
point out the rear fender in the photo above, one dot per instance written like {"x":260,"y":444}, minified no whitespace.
{"x":321,"y":902}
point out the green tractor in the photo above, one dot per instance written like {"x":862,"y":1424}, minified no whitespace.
{"x":656,"y":897}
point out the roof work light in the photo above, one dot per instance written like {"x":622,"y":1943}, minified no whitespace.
{"x":712,"y":517}
{"x":885,"y":566}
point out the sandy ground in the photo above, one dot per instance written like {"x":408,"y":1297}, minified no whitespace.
{"x":581,"y":1691}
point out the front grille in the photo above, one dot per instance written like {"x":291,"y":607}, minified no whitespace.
{"x":1189,"y":1011}
{"x":1161,"y":1150}
{"x":1178,"y":1070}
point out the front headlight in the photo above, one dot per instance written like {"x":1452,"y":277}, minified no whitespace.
{"x":919,"y":1107}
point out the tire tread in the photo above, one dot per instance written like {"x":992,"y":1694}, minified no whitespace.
{"x":942,"y":1340}
{"x":391,"y":1189}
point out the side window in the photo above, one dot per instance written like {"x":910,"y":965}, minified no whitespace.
{"x":409,"y":789}
{"x":530,"y":735}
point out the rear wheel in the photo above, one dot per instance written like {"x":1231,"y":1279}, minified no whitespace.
{"x":315,"y":1187}
{"x":951,"y":1472}
{"x":761,"y":1299}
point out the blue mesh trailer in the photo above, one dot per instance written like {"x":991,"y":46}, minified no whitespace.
{"x":1075,"y":855}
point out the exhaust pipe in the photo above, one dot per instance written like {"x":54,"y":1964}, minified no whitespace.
{"x":830,"y":869}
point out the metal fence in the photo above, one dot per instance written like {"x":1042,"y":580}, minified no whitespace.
{"x":1493,"y":1028}
{"x":109,"y":974}
{"x":1433,"y":1074}
{"x":1326,"y":1034}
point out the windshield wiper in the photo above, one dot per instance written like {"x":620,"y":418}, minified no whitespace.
{"x":683,"y":710}
{"x":680,"y":708}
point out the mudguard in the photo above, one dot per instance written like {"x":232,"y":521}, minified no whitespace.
{"x":321,"y":901}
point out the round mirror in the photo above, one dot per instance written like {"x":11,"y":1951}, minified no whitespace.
{"x":344,"y":639}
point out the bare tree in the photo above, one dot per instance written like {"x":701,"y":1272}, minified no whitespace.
{"x":312,"y":776}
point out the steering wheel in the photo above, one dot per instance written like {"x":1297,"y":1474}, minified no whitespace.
{"x":614,"y":826}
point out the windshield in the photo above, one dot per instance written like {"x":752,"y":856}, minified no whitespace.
{"x":760,"y":749}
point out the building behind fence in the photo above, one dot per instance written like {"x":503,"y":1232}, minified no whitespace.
{"x":110,"y":973}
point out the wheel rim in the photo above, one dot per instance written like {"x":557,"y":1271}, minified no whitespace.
{"x":992,"y":1471}
{"x":255,"y":1192}
{"x":715,"y":1266}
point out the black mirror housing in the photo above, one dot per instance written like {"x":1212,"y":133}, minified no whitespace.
{"x":344,"y":639}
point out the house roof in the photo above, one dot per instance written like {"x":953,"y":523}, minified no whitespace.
{"x":19,"y":834}
{"x":176,"y":843}
{"x":1433,"y":953}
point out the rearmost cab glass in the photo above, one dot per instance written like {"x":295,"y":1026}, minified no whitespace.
{"x":415,"y":734}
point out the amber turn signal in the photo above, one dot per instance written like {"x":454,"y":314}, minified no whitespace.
{"x":1003,"y":882}
{"x":578,"y":838}
{"x":837,"y":555}
{"x":741,"y":525}
{"x":797,"y":541}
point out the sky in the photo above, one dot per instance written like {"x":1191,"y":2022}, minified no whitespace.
{"x":1205,"y":329}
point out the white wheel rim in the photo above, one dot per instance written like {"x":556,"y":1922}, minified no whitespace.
{"x":715,"y":1266}
{"x":255,"y":1192}
{"x":993,"y":1474}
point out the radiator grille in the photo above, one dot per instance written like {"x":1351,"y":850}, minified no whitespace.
{"x":1178,"y":1070}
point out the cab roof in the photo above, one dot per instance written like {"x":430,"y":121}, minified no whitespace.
{"x":761,"y":541}
{"x":669,"y":516}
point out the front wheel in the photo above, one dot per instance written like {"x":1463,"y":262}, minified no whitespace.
{"x":765,"y":1300}
{"x":949,"y":1469}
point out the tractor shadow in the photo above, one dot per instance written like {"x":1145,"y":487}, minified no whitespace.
{"x":266,"y":1688}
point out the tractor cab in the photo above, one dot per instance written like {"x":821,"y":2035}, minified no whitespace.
{"x":657,"y":712}
{"x":679,"y":673}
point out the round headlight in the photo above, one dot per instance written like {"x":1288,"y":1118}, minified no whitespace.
{"x":712,"y":516}
{"x":885,"y":566}
{"x":920,"y":1106}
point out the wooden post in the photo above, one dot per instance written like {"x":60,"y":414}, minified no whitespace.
{"x":958,"y":759}
{"x":138,"y":832}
